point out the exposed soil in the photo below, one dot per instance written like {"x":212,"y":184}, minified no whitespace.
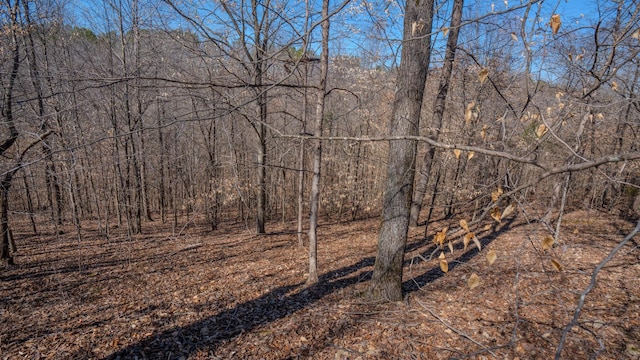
{"x":232,"y":294}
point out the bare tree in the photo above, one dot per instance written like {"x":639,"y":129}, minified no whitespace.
{"x":412,"y":74}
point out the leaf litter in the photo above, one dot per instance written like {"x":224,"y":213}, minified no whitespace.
{"x":233,"y":294}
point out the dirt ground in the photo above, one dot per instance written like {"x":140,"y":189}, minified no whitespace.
{"x":230,"y":294}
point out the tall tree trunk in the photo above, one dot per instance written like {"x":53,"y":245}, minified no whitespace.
{"x":261,"y":37}
{"x":438,"y":114}
{"x":5,"y":184}
{"x":317,"y":151}
{"x":412,"y":74}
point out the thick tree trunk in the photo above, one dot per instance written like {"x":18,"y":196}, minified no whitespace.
{"x":317,"y":152}
{"x":5,"y":254}
{"x":416,"y":52}
{"x":438,"y":114}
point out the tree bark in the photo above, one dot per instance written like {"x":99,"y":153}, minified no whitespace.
{"x":5,"y":184}
{"x":438,"y":114}
{"x":317,"y":152}
{"x":416,"y":52}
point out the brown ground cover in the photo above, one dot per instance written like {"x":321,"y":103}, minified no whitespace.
{"x":230,"y":294}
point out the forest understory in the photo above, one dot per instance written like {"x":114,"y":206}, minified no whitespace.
{"x":190,"y":293}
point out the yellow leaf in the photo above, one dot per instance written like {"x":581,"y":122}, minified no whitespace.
{"x":491,"y":257}
{"x":547,"y":242}
{"x":556,"y":265}
{"x":487,"y":227}
{"x":474,"y":281}
{"x":457,"y":153}
{"x":514,"y":37}
{"x":496,"y":194}
{"x":468,"y":112}
{"x":445,"y":30}
{"x":600,"y":116}
{"x":444,"y":265}
{"x":541,"y":130}
{"x":467,"y":238}
{"x":477,"y":242}
{"x":464,"y":225}
{"x":507,"y":211}
{"x":440,"y":236}
{"x":483,"y":75}
{"x":470,"y":155}
{"x":555,"y":23}
{"x":495,"y":214}
{"x":450,"y":244}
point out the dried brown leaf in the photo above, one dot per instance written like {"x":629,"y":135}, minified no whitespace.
{"x":555,"y":23}
{"x":474,"y":281}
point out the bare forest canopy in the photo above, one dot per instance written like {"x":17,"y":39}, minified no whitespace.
{"x":125,"y":111}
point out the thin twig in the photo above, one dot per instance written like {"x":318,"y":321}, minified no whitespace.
{"x":592,"y":284}
{"x":459,"y":332}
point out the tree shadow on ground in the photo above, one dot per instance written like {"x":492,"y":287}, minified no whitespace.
{"x":415,"y":283}
{"x":209,"y":333}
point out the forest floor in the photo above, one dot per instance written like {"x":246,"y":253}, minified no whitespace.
{"x":231,"y":294}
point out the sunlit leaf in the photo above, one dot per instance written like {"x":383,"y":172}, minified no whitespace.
{"x":470,"y":155}
{"x":444,"y":265}
{"x":491,"y":257}
{"x":483,"y":75}
{"x":559,"y":95}
{"x":468,"y":112}
{"x":440,"y":237}
{"x":496,"y":194}
{"x":507,"y":211}
{"x":483,"y":132}
{"x":474,"y":281}
{"x":457,"y":153}
{"x":599,"y":116}
{"x":477,"y":242}
{"x":450,"y":244}
{"x":495,"y":214}
{"x":464,"y":225}
{"x":487,"y":227}
{"x":467,"y":238}
{"x":614,"y":86}
{"x":636,"y":35}
{"x":514,"y":37}
{"x":541,"y":130}
{"x":556,"y":265}
{"x":547,"y":242}
{"x":555,"y":23}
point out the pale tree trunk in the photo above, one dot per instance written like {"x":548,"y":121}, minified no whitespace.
{"x":438,"y":114}
{"x":317,"y":152}
{"x":303,"y":130}
{"x":416,"y":52}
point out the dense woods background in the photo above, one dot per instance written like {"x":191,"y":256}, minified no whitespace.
{"x":121,"y":112}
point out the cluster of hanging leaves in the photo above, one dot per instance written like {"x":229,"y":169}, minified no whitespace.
{"x":441,"y":236}
{"x":458,"y":152}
